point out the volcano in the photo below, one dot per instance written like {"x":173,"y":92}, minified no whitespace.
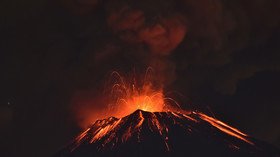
{"x":143,"y":134}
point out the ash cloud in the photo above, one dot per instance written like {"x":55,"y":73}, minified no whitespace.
{"x":204,"y":40}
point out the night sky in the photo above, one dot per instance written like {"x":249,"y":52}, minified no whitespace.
{"x":223,"y":56}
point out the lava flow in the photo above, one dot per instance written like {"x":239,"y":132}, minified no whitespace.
{"x":109,"y":128}
{"x":165,"y":134}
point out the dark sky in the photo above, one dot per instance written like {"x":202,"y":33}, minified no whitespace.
{"x":222,"y":56}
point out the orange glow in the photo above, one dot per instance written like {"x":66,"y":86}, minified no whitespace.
{"x":128,"y":96}
{"x":146,"y":100}
{"x":123,"y":96}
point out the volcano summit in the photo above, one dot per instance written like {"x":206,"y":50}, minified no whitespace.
{"x":142,"y":133}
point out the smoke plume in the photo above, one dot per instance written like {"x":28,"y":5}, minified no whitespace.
{"x":191,"y":45}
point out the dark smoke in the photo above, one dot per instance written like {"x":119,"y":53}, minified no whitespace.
{"x":204,"y":40}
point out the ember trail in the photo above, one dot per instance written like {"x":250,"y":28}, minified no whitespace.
{"x":128,"y":95}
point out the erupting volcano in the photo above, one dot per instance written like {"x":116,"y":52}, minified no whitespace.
{"x":165,"y":134}
{"x":146,"y":124}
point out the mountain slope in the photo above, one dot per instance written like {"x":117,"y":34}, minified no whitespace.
{"x":165,"y":134}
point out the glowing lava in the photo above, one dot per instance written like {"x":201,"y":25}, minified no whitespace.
{"x":145,"y":99}
{"x":127,"y":95}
